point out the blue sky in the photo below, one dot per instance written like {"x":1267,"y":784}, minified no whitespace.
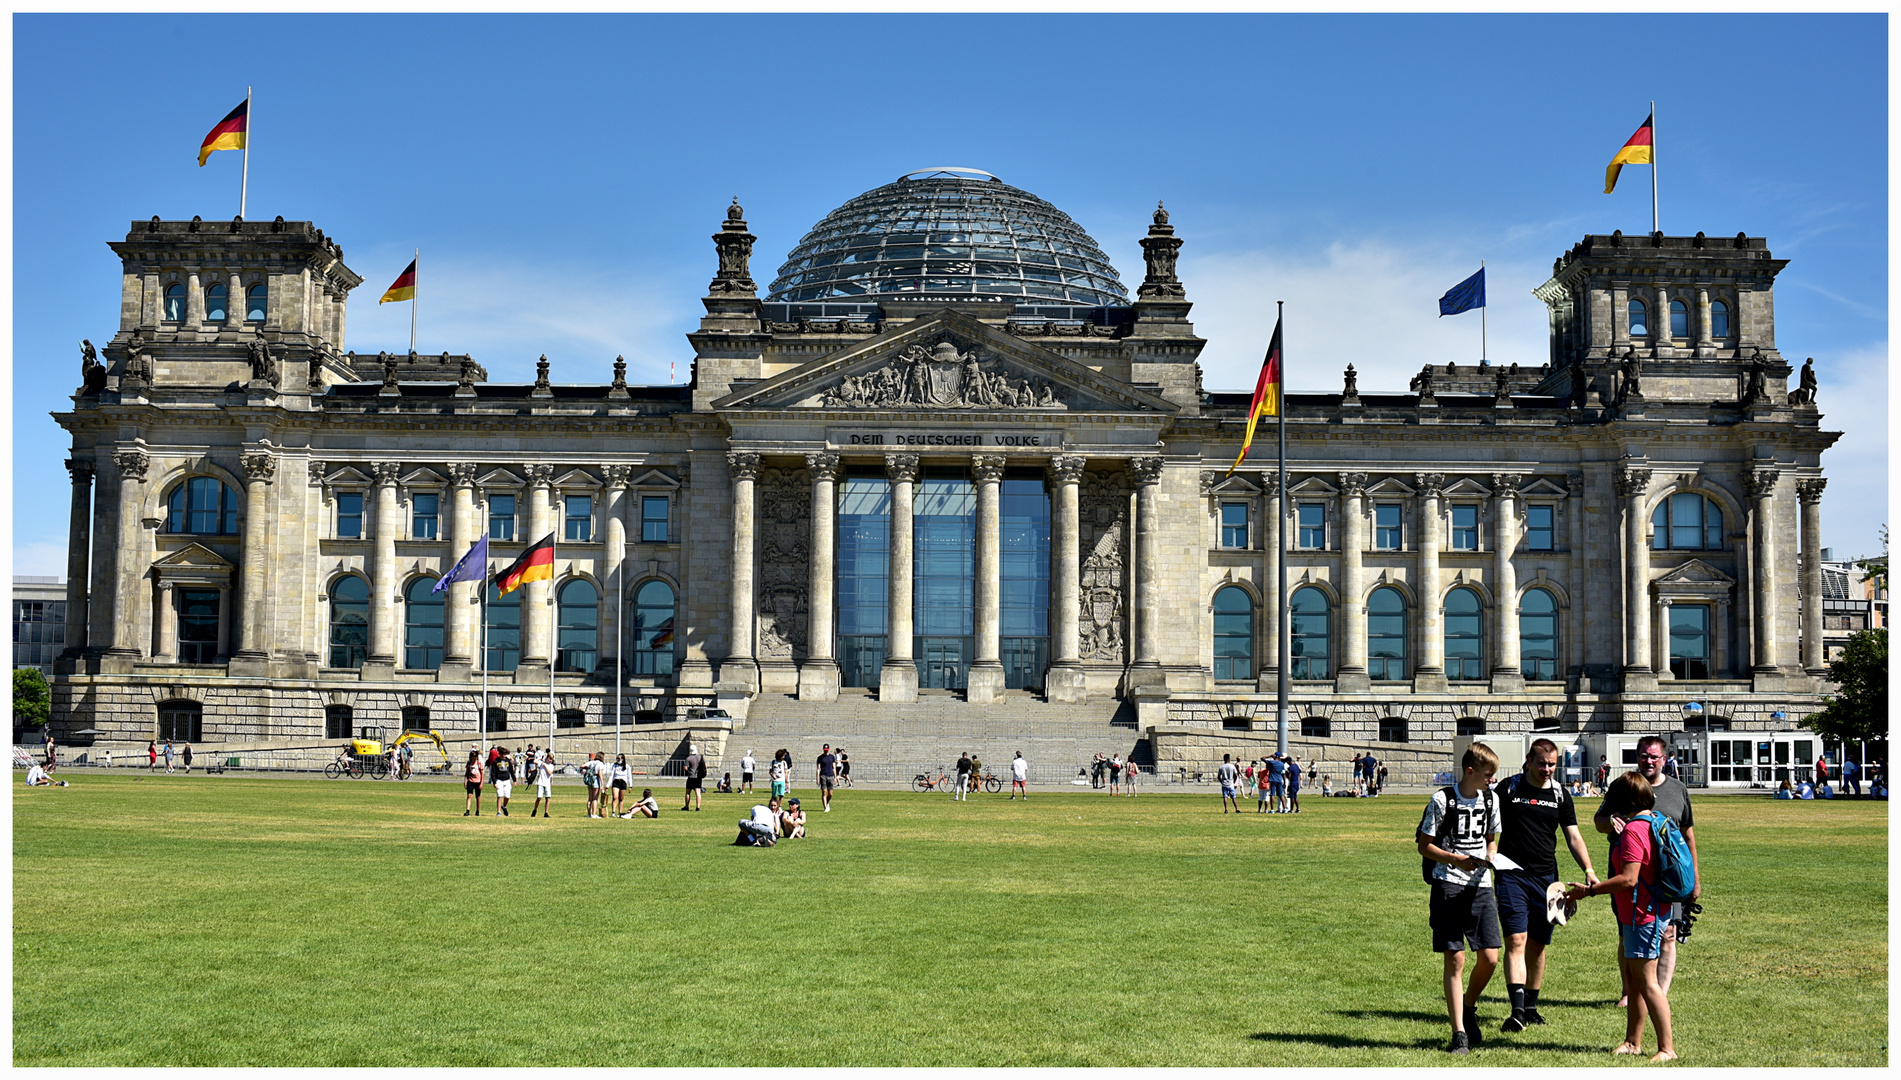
{"x":562,"y":175}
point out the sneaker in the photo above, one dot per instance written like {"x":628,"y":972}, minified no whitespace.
{"x":1472,"y":1031}
{"x":1532,"y":1016}
{"x":465,"y":813}
{"x":1459,"y":1044}
{"x":1513,"y":1024}
{"x":498,"y":813}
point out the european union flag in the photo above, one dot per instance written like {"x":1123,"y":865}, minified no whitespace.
{"x":1464,"y":296}
{"x":471,"y":567}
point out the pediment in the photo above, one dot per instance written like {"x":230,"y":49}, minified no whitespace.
{"x":1314,"y":486}
{"x":654,"y":478}
{"x":500,"y":478}
{"x":193,"y":557}
{"x":1543,"y":488}
{"x":424,"y":477}
{"x":577,"y":478}
{"x":1696,"y":572}
{"x":945,"y":362}
{"x":1213,"y":483}
{"x":1467,"y":487}
{"x":1390,"y":487}
{"x":347,"y":476}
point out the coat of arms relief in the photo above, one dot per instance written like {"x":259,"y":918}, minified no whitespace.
{"x":941,"y":377}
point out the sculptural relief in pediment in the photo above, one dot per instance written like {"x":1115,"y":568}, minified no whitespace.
{"x":942,"y":376}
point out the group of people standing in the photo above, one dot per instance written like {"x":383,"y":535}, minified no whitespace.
{"x":1111,"y":770}
{"x":152,"y":754}
{"x":1490,"y":854}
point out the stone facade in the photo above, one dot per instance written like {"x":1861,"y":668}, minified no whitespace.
{"x":341,"y":472}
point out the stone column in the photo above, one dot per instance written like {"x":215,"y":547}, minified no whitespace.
{"x":78,"y":555}
{"x":1762,"y":492}
{"x":985,"y":681}
{"x":537,"y":619}
{"x":1148,"y":600}
{"x":1271,"y":555}
{"x":1809,"y":491}
{"x":1705,"y":341}
{"x":818,"y":676}
{"x":740,"y":670}
{"x":1572,"y":638}
{"x":233,"y":300}
{"x":1506,"y":676}
{"x":1620,"y":315}
{"x":898,"y":679}
{"x":617,"y":510}
{"x":384,"y":525}
{"x":122,"y":610}
{"x":1721,"y":666}
{"x":1430,"y":675}
{"x":254,"y":644}
{"x":1066,"y":681}
{"x":167,"y":617}
{"x":1660,"y":640}
{"x":1632,"y":483}
{"x":194,"y":302}
{"x":1352,"y":677}
{"x":458,"y":645}
{"x":1660,"y":322}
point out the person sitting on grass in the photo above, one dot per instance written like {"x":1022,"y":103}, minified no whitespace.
{"x":792,"y":822}
{"x":648,"y":806}
{"x":761,"y":829}
{"x":1784,"y":791}
{"x":40,"y":776}
{"x":1640,"y":917}
{"x":1326,"y":787}
{"x":725,"y":786}
{"x":1459,"y":835}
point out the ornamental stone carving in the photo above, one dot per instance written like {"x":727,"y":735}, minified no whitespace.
{"x":1505,"y":485}
{"x":1762,"y":482}
{"x":318,"y":470}
{"x":1160,"y":249}
{"x":901,"y":468}
{"x":824,"y":465}
{"x":132,"y":463}
{"x":616,"y":476}
{"x":734,"y":244}
{"x":1103,"y":503}
{"x":784,"y":537}
{"x":541,"y":374}
{"x":1632,"y":482}
{"x":462,"y":474}
{"x":620,"y":374}
{"x":81,"y":470}
{"x":1146,"y":470}
{"x":540,"y":476}
{"x":986,"y":468}
{"x":387,"y":472}
{"x":1810,"y":490}
{"x":1804,"y":394}
{"x":1431,"y":485}
{"x":259,"y":465}
{"x":941,"y":377}
{"x":1353,"y":484}
{"x":1270,"y":484}
{"x":744,"y":465}
{"x":1067,"y":468}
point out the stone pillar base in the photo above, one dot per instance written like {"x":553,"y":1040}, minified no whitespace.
{"x":1429,"y":681}
{"x":455,"y":671}
{"x":1269,"y":681}
{"x":738,"y":672}
{"x":735,"y":698}
{"x":257,"y":666}
{"x":696,"y":673}
{"x":533,"y":673}
{"x":1151,"y":706}
{"x":1067,"y":683}
{"x":1145,"y":675}
{"x":1639,"y":680}
{"x":377,"y":671}
{"x":1506,"y":681}
{"x":897,"y":681}
{"x":1769,"y":681}
{"x":1349,"y":681}
{"x":984,"y":683}
{"x":818,"y":680}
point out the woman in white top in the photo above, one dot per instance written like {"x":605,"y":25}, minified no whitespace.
{"x":621,"y":777}
{"x":648,"y":806}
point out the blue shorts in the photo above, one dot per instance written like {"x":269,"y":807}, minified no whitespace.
{"x":1521,"y":904}
{"x":1643,"y":942}
{"x":1275,"y":786}
{"x":1227,"y":791}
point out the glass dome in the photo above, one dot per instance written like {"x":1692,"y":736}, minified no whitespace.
{"x":952,"y":232}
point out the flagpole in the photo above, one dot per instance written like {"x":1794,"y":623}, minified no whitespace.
{"x":1280,"y":558}
{"x":620,"y":636}
{"x":554,"y":612}
{"x":244,"y":177}
{"x":1484,"y":360}
{"x":482,"y":610}
{"x":414,"y":274}
{"x":1654,"y":227}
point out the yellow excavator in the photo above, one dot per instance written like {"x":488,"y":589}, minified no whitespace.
{"x":367,"y":756}
{"x":424,"y":736}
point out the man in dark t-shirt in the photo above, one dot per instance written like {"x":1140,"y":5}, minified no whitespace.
{"x":695,"y":777}
{"x":1534,"y":808}
{"x":827,"y":775}
{"x":963,"y":778}
{"x":1673,"y":802}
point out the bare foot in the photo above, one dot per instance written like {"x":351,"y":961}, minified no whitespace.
{"x":1663,"y":1055}
{"x":1628,"y":1048}
{"x":1623,"y":1002}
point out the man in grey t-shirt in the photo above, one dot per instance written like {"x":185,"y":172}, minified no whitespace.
{"x":1673,"y":802}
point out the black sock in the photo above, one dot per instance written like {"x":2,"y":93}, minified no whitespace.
{"x":1531,"y":997}
{"x":1518,"y":998}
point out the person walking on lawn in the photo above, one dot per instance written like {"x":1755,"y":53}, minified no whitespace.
{"x":472,"y":785}
{"x":745,"y":772}
{"x":502,"y":771}
{"x":695,"y":777}
{"x":1019,"y":777}
{"x":1672,"y":800}
{"x":544,"y":785}
{"x":827,"y":775}
{"x":1229,"y":776}
{"x":186,"y":755}
{"x":1640,"y":920}
{"x":963,"y":780}
{"x":1458,"y":835}
{"x":1534,"y":809}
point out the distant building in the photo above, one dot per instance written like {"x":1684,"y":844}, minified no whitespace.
{"x":1851,"y":602}
{"x":39,"y":621}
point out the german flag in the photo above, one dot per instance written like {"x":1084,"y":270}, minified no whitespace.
{"x":1635,"y":152}
{"x":1267,"y":394}
{"x":404,"y":287}
{"x":663,"y":635}
{"x":535,"y":564}
{"x":229,"y":132}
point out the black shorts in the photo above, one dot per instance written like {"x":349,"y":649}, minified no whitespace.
{"x":620,"y":785}
{"x":693,"y":783}
{"x":1462,"y":913}
{"x":745,"y":778}
{"x":1521,"y":905}
{"x":472,"y":787}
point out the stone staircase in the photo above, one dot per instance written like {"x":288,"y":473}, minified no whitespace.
{"x":893,"y":741}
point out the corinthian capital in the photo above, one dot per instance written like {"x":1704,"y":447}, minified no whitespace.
{"x":901,"y":468}
{"x":986,"y":468}
{"x":132,"y":463}
{"x":1762,"y":481}
{"x":1353,"y":484}
{"x":81,"y":470}
{"x":1810,"y":490}
{"x":824,"y":465}
{"x":317,"y":471}
{"x":387,"y":472}
{"x":461,"y":474}
{"x":1505,"y":485}
{"x":1067,"y":468}
{"x":1431,"y":485}
{"x":1147,"y":470}
{"x":744,"y":465}
{"x":540,"y":476}
{"x":259,"y":465}
{"x":1632,"y":482}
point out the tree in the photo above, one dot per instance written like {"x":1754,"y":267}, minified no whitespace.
{"x":1859,"y":712}
{"x":1877,"y":569}
{"x":30,"y":697}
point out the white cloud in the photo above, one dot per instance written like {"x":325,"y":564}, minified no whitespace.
{"x":40,"y":558}
{"x":1853,"y":396}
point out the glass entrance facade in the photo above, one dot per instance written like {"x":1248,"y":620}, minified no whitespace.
{"x":1025,"y":586}
{"x":864,"y":559}
{"x":944,"y":576}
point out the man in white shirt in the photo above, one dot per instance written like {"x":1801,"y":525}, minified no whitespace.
{"x":1019,"y":773}
{"x":1228,"y":775}
{"x":745,"y":772}
{"x":762,"y":828}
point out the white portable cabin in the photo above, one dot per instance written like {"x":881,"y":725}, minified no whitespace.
{"x":1510,"y":749}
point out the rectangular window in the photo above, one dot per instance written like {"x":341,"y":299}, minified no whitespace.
{"x":864,"y":531}
{"x":501,"y":517}
{"x":1386,"y":527}
{"x":350,"y":516}
{"x":1465,"y":528}
{"x":197,"y":626}
{"x":422,"y":520}
{"x":1234,"y":525}
{"x":580,"y":517}
{"x":1690,"y":641}
{"x":336,"y":722}
{"x":1313,"y":527}
{"x":1539,"y":535}
{"x":653,"y":519}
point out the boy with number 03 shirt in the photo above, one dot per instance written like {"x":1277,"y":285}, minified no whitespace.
{"x":1457,"y":837}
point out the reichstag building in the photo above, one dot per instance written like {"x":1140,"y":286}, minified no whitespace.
{"x":948,"y":462}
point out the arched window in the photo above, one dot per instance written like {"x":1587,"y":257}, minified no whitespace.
{"x":570,"y":718}
{"x":1679,"y":319}
{"x":1639,"y":319}
{"x":653,"y":629}
{"x":503,"y":629}
{"x":1308,"y":617}
{"x":1719,"y":319}
{"x":1316,"y":727}
{"x":1392,"y":729}
{"x":337,"y":720}
{"x":349,"y":622}
{"x":578,"y":637}
{"x":214,"y":303}
{"x":497,"y":719}
{"x":422,"y":625}
{"x":415,"y":718}
{"x":204,"y":506}
{"x":1469,"y":726}
{"x":174,"y":303}
{"x":1547,"y":723}
{"x":181,"y":721}
{"x":1687,"y":521}
{"x":1538,"y":635}
{"x":1465,"y":635}
{"x":1234,"y":635}
{"x":1386,"y":635}
{"x":254,"y":305}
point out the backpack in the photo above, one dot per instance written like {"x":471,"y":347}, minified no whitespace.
{"x":1451,"y":792}
{"x":1676,"y":865}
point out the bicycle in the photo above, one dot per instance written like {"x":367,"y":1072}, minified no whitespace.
{"x":923,"y":782}
{"x":992,"y":783}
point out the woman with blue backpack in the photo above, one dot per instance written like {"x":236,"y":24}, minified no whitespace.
{"x":1648,"y":861}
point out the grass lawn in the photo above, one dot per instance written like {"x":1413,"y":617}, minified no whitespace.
{"x":230,"y":921}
